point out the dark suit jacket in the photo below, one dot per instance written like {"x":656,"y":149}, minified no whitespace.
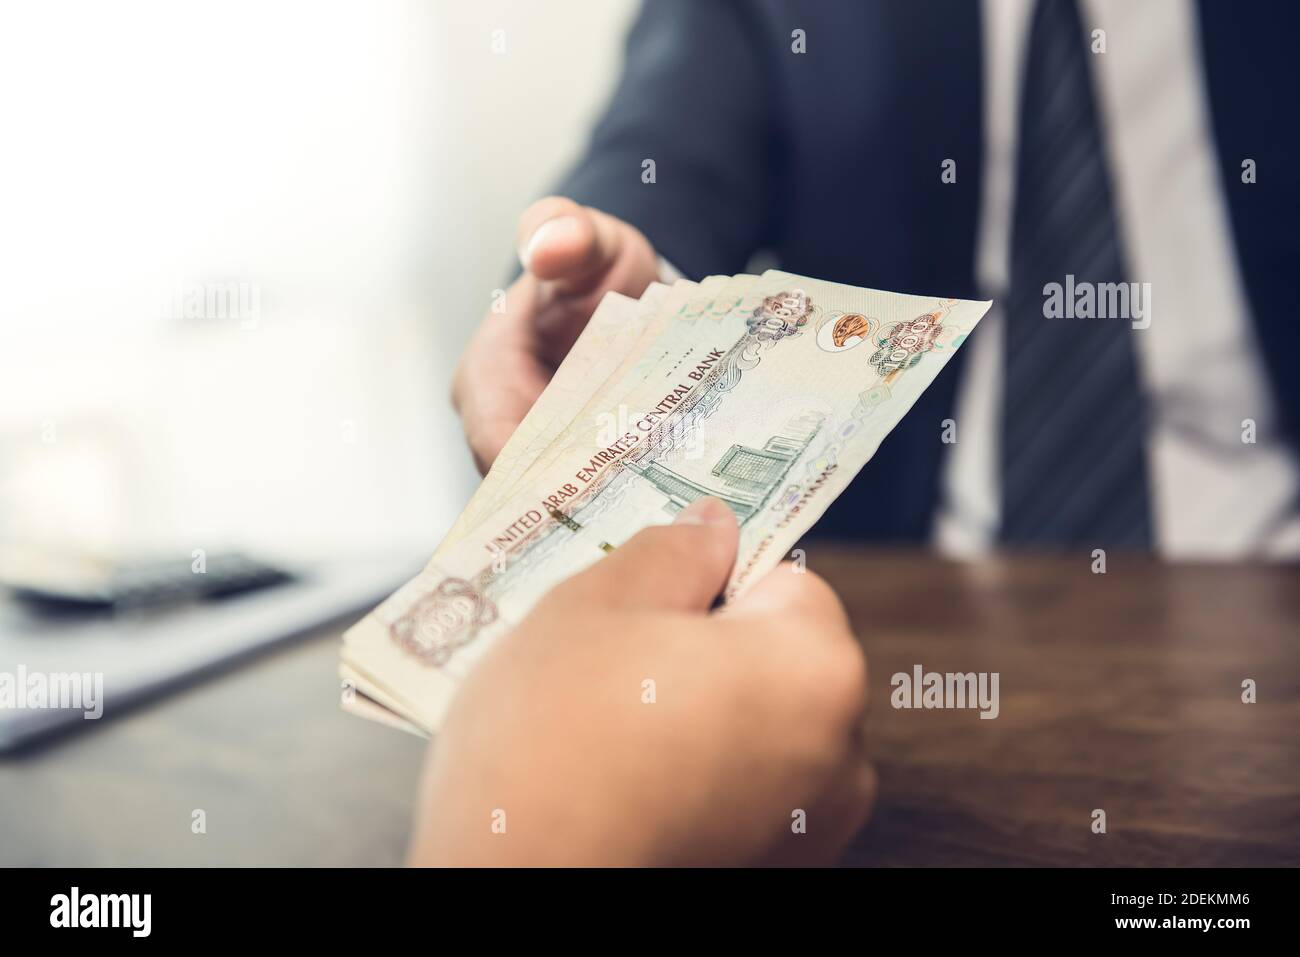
{"x":831,"y":161}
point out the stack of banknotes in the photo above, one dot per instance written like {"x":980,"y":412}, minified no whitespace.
{"x":769,"y":392}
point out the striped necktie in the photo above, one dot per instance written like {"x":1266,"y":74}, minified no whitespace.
{"x":1073,"y":457}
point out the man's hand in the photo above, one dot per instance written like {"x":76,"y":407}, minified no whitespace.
{"x":623,"y":724}
{"x":572,"y":255}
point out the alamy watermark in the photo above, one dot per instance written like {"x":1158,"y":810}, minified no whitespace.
{"x":131,"y":912}
{"x":933,"y":689}
{"x":23,"y":690}
{"x":238,"y":301}
{"x":1098,"y":300}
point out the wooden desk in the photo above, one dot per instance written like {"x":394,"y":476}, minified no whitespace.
{"x":1120,"y":692}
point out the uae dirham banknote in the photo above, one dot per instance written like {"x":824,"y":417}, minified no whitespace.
{"x":769,"y":392}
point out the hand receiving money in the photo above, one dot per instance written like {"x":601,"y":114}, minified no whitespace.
{"x":620,"y":723}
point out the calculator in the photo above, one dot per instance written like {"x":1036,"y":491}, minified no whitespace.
{"x":78,"y":583}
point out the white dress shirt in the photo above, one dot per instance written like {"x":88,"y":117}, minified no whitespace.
{"x":1213,"y":495}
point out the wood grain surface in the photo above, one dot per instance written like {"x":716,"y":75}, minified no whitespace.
{"x":1119,"y":691}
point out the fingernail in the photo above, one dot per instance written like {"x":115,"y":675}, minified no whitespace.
{"x":545,"y":233}
{"x":705,"y":511}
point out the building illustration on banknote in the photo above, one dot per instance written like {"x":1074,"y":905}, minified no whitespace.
{"x":747,"y":476}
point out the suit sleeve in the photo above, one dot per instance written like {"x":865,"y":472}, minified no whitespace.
{"x":693,"y":97}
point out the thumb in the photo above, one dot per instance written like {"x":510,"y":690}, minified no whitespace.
{"x":680,"y":567}
{"x":568,"y":245}
{"x":789,"y":590}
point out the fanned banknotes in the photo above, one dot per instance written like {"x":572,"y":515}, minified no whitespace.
{"x":769,"y":392}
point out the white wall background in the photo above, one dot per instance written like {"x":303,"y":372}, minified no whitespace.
{"x":358,"y":165}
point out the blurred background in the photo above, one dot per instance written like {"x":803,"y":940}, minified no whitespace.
{"x":244,"y":244}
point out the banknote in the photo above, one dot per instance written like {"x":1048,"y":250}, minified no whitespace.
{"x":372,"y":709}
{"x":618,"y":343}
{"x":660,"y":341}
{"x":668,"y":333}
{"x":769,"y":393}
{"x":627,"y":337}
